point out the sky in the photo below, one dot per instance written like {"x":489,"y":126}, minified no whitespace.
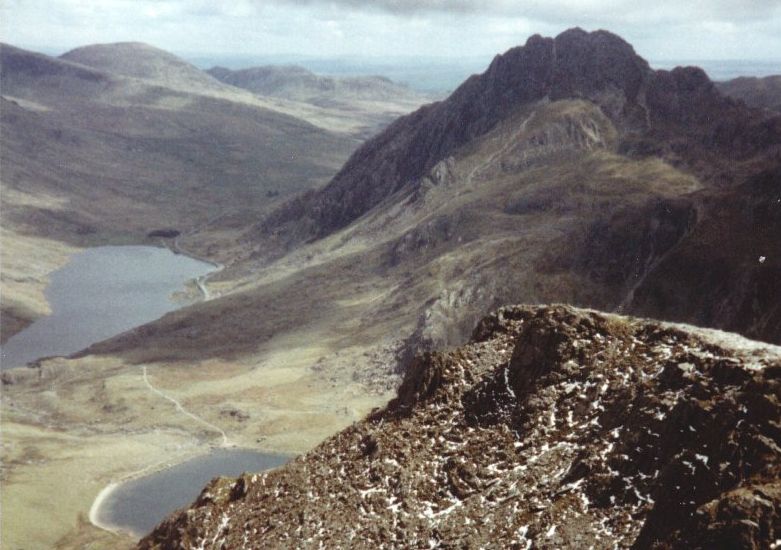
{"x":658,"y":29}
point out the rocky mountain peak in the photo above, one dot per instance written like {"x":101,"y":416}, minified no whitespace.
{"x":599,"y":66}
{"x":574,"y":65}
{"x":675,"y":114}
{"x":554,"y":427}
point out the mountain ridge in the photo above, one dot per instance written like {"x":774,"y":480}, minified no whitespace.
{"x":598,"y":66}
{"x":677,"y":116}
{"x":296,"y":81}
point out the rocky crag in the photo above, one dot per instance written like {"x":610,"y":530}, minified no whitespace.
{"x":553,"y":427}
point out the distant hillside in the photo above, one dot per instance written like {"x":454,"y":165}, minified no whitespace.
{"x":651,"y":109}
{"x":756,"y":92}
{"x":23,"y":72}
{"x":377,"y":99}
{"x":298,"y":83}
{"x":148,"y":142}
{"x":91,"y":156}
{"x":139,"y":60}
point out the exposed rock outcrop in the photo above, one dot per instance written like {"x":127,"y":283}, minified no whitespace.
{"x":726,"y":272}
{"x":553,"y":428}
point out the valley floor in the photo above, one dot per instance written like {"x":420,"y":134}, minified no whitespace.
{"x":89,"y":422}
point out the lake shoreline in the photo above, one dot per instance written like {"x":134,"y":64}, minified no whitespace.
{"x":148,"y":291}
{"x":103,"y":497}
{"x":104,"y":494}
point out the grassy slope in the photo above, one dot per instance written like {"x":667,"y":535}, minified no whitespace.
{"x":376,"y":98}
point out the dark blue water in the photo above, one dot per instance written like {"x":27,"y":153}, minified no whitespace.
{"x":100,"y":293}
{"x":138,"y":505}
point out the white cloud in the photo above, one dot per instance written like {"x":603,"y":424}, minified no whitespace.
{"x":565,"y":10}
{"x":689,"y":29}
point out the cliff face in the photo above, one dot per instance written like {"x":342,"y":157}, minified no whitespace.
{"x":553,"y":428}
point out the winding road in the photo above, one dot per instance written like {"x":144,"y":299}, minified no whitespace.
{"x":202,"y":280}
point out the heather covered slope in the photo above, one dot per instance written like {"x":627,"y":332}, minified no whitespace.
{"x":553,"y":428}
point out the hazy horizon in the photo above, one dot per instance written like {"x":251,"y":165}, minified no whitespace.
{"x":429,"y":74}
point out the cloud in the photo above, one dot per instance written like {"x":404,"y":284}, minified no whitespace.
{"x":563,"y":10}
{"x":458,"y":29}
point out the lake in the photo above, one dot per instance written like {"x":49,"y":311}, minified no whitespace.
{"x":102,"y":292}
{"x":140,"y":504}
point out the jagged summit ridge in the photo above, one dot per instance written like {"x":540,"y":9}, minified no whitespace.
{"x":575,"y":64}
{"x":411,"y":146}
{"x":651,"y":109}
{"x":554,"y":428}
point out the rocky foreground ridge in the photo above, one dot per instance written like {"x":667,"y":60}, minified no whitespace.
{"x":553,"y":427}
